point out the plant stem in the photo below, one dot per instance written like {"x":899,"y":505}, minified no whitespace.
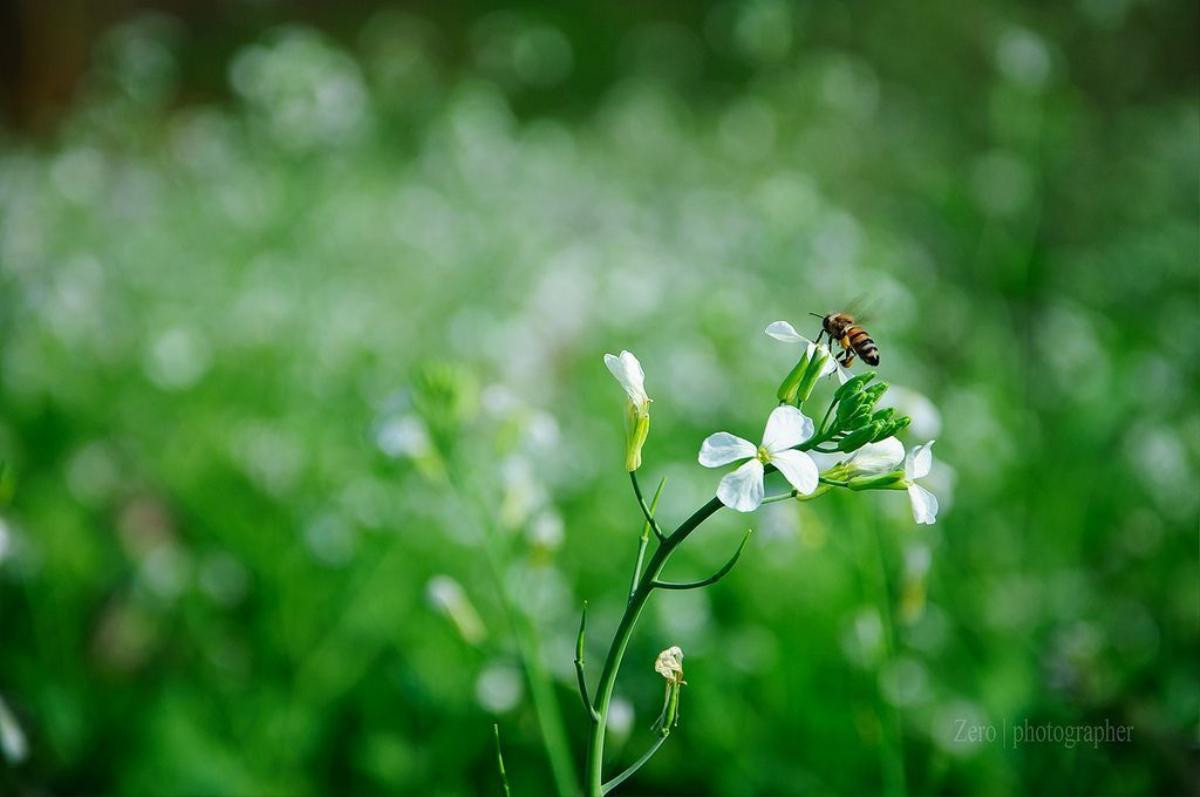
{"x":593,"y":778}
{"x":500,"y":761}
{"x":896,"y":780}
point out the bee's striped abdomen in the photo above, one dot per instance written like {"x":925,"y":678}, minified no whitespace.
{"x":862,"y":345}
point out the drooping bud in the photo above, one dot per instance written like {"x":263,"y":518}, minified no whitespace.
{"x":669,"y":665}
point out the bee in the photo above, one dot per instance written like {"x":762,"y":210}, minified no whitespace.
{"x":854,"y":340}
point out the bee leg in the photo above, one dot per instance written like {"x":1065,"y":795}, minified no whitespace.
{"x":847,"y":358}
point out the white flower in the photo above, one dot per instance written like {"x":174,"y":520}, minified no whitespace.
{"x":669,"y":664}
{"x":743,"y":488}
{"x":782,"y":330}
{"x":881,"y":457}
{"x":916,"y":466}
{"x":628,"y":371}
{"x":884,"y":457}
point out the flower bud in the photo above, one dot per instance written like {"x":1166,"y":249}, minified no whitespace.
{"x":791,"y":383}
{"x":856,"y":439}
{"x":888,"y":427}
{"x":669,"y":665}
{"x":881,"y":481}
{"x":853,"y":385}
{"x":816,"y":368}
{"x":860,"y":417}
{"x":637,"y":429}
{"x":884,"y":414}
{"x":873,"y":393}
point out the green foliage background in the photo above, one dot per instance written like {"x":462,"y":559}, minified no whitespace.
{"x":269,"y":353}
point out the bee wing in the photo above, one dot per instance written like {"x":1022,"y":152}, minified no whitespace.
{"x":862,"y":307}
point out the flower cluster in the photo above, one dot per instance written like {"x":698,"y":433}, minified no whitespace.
{"x":854,"y":446}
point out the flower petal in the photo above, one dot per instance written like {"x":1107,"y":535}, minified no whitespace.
{"x":924,"y":505}
{"x":782,"y":330}
{"x":628,"y":371}
{"x":743,"y":488}
{"x":722,"y":448}
{"x":786,"y":427}
{"x":919,"y":461}
{"x":799,"y":469}
{"x":843,"y":373}
{"x":826,"y":461}
{"x":821,"y":350}
{"x":881,"y":457}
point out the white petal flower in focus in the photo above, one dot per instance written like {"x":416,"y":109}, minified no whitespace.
{"x":742,"y":489}
{"x":628,"y":371}
{"x":881,"y":457}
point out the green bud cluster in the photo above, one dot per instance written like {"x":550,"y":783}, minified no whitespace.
{"x":856,"y":419}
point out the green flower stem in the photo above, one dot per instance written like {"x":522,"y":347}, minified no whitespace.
{"x":713,"y":579}
{"x":593,"y":775}
{"x":644,"y":540}
{"x":648,"y":512}
{"x":635,"y":766}
{"x":579,"y":664}
{"x":593,"y":782}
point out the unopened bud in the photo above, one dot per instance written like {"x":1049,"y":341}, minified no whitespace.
{"x":884,"y":414}
{"x":872,"y":393}
{"x":791,"y":383}
{"x":856,"y":439}
{"x":816,"y":367}
{"x":637,"y":429}
{"x":853,"y":385}
{"x":881,"y":481}
{"x":889,"y":427}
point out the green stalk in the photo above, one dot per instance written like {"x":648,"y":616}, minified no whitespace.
{"x":594,"y":778}
{"x":896,"y":780}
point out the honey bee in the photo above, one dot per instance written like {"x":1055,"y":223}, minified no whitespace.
{"x":854,"y":340}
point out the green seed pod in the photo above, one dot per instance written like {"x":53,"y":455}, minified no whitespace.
{"x":884,"y":414}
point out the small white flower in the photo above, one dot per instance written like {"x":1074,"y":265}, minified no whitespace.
{"x":783,"y":331}
{"x":743,"y":488}
{"x":916,"y":466}
{"x":881,"y":457}
{"x":628,"y":371}
{"x":669,"y":664}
